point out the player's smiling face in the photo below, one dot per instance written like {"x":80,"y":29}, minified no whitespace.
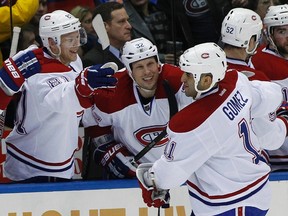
{"x":145,"y":73}
{"x":69,"y":47}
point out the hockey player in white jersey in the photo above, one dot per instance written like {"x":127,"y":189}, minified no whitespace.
{"x":54,"y":92}
{"x":241,"y":33}
{"x":214,"y":144}
{"x":137,"y":112}
{"x":272,"y":60}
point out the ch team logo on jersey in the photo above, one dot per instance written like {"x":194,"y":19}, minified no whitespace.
{"x":148,"y":134}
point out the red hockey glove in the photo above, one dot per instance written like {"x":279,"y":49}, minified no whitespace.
{"x":283,"y":110}
{"x":116,"y":159}
{"x":21,"y":66}
{"x":282,"y":113}
{"x":93,"y":78}
{"x":151,"y":195}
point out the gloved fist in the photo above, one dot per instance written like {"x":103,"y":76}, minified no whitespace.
{"x":94,"y":77}
{"x":151,"y":195}
{"x":116,"y":159}
{"x":20,"y":67}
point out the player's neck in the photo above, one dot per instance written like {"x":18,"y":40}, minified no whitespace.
{"x":145,"y":93}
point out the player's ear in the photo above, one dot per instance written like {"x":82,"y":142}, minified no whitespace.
{"x":51,"y":42}
{"x":206,"y":81}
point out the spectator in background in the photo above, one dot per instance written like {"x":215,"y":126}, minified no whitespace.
{"x":22,"y":12}
{"x":195,"y":22}
{"x":85,"y":15}
{"x":27,"y":37}
{"x":259,"y":6}
{"x":68,"y":5}
{"x":118,"y":30}
{"x":97,"y":2}
{"x":150,"y":22}
{"x":262,"y":7}
{"x":42,"y":9}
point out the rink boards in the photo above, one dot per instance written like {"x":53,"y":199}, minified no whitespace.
{"x":107,"y":198}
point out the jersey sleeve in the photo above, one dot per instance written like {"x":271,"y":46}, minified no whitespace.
{"x":94,"y":116}
{"x":271,"y":133}
{"x":266,"y":97}
{"x":183,"y":156}
{"x":88,"y":119}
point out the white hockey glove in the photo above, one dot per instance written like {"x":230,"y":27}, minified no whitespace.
{"x":116,"y":159}
{"x":151,"y":195}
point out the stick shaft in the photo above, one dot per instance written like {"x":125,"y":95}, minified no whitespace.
{"x":150,"y":145}
{"x":15,"y":39}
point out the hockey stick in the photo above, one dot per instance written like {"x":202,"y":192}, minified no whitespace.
{"x":15,"y":39}
{"x":13,"y":49}
{"x":149,"y":146}
{"x":99,"y":28}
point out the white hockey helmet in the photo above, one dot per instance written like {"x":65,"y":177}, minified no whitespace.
{"x":204,"y":58}
{"x":59,"y":22}
{"x":239,"y":25}
{"x":276,"y":16}
{"x":136,"y":50}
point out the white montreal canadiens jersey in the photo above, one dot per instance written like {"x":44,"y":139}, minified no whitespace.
{"x":134,"y":124}
{"x":215,"y":150}
{"x":45,"y":135}
{"x":276,"y":68}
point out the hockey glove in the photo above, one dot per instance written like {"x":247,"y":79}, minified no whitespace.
{"x":151,"y":195}
{"x":282,"y":113}
{"x":116,"y":159}
{"x":93,"y":78}
{"x":283,"y":110}
{"x":20,"y":67}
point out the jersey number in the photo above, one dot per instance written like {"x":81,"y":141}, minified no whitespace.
{"x":245,"y":134}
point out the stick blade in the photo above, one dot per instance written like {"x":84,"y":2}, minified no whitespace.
{"x":99,"y":28}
